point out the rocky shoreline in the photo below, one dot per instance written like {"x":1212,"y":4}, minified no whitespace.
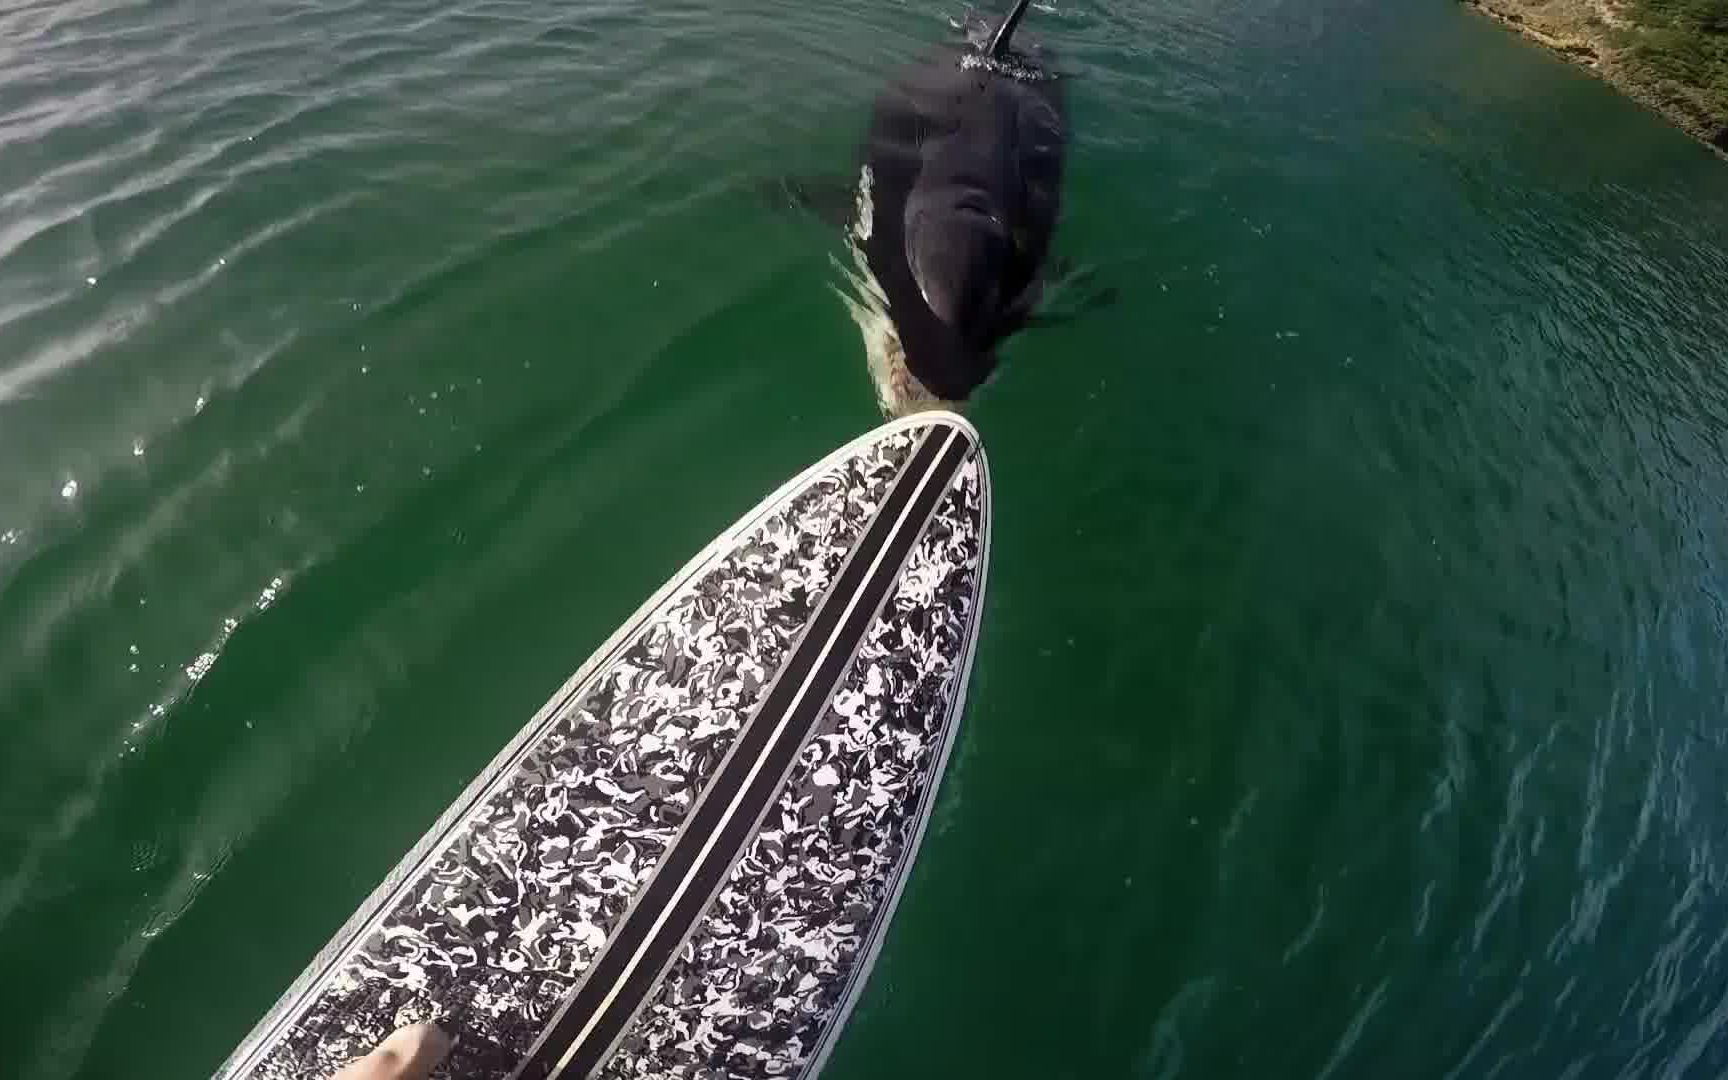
{"x":1595,"y":34}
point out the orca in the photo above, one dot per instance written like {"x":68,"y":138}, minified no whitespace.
{"x":960,"y":188}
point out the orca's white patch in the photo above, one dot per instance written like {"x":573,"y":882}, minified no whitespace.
{"x":898,"y":391}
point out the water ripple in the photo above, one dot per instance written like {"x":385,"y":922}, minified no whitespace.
{"x":124,"y":319}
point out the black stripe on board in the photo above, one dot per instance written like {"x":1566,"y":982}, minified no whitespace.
{"x":594,"y":1017}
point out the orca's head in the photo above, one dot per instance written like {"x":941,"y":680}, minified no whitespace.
{"x":957,"y":248}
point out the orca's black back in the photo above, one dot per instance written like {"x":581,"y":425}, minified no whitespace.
{"x":1014,"y":131}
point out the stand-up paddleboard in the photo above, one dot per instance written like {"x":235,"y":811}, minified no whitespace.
{"x":684,"y":865}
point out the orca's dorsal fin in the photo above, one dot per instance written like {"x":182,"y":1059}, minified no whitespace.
{"x":998,"y":47}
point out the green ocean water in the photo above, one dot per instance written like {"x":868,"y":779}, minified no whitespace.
{"x":1351,"y":696}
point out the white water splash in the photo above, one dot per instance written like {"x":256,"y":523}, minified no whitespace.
{"x":864,"y":225}
{"x":201,"y":665}
{"x":1010,"y":68}
{"x":268,"y":596}
{"x":898,"y":391}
